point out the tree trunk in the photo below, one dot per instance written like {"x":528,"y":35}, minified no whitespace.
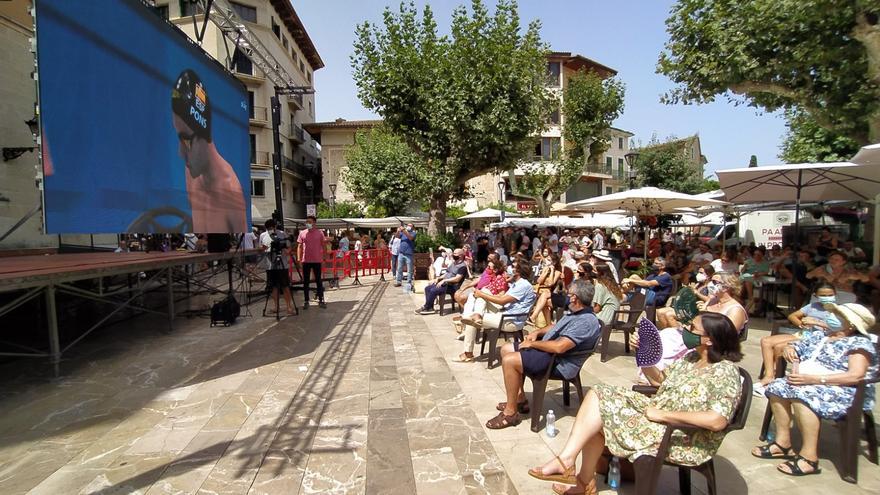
{"x":868,"y":33}
{"x":543,"y":206}
{"x":437,"y":214}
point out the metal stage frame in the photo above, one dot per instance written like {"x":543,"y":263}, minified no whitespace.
{"x":47,"y":275}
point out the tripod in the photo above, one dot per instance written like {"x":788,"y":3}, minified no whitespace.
{"x":277,"y":281}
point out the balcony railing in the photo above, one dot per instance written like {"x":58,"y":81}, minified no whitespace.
{"x":296,"y":100}
{"x":596,"y":169}
{"x":296,"y":168}
{"x":259,"y":113}
{"x":298,"y":134}
{"x":261,"y":158}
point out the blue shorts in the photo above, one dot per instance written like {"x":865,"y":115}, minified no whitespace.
{"x":534,"y":362}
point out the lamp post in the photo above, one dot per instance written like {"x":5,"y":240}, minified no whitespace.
{"x":502,"y":190}
{"x":631,"y":159}
{"x":333,"y":199}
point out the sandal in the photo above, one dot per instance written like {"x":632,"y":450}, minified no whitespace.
{"x":567,"y":476}
{"x":463,"y":358}
{"x":589,"y":488}
{"x":795,"y":470}
{"x":501,"y":421}
{"x":765,"y":453}
{"x":521,"y":407}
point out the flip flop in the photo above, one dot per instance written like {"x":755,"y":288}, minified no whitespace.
{"x":567,"y":477}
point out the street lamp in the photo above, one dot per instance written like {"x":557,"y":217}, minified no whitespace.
{"x":502,"y":190}
{"x":333,"y":199}
{"x":631,"y":159}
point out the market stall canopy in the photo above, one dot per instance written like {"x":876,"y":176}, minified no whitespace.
{"x":644,"y":201}
{"x":367,"y":223}
{"x":601,"y":220}
{"x":488,"y":213}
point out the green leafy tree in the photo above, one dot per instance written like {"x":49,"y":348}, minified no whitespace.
{"x":384,"y":172}
{"x":818,"y":56}
{"x":343,"y":209}
{"x":667,"y":166}
{"x":709,"y":185}
{"x":465,"y":103}
{"x":807,"y":142}
{"x":590,"y":105}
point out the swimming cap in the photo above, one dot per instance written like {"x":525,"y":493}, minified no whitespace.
{"x":189,"y":101}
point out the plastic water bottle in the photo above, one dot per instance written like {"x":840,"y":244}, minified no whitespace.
{"x":614,"y":474}
{"x":771,"y":433}
{"x":551,"y":424}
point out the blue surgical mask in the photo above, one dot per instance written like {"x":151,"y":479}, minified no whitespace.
{"x":309,"y":225}
{"x":826,"y":299}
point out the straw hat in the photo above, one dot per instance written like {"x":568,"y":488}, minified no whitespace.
{"x":857,"y":315}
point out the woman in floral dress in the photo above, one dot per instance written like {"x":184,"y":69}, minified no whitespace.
{"x":701,"y":389}
{"x":823,"y":386}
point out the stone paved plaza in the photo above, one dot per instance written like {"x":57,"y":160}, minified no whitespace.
{"x":359,"y":398}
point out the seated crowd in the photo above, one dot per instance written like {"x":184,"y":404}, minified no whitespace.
{"x":563,"y":290}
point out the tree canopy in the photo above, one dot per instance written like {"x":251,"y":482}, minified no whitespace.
{"x":465,"y":103}
{"x":667,"y":166}
{"x":821,"y":57}
{"x":807,"y":142}
{"x":590,"y":104}
{"x":384,"y":172}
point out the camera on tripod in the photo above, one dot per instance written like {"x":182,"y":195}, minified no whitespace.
{"x":278,"y":244}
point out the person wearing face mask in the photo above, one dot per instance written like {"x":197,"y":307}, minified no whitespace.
{"x":837,"y":273}
{"x":448,"y":282}
{"x":548,"y":280}
{"x":568,"y":340}
{"x":724,"y":289}
{"x":825,"y":369}
{"x":697,"y":285}
{"x":310,"y":248}
{"x":659,"y":284}
{"x":815,"y":316}
{"x":700,"y":390}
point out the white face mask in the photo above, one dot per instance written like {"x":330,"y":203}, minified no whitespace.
{"x":713,"y":288}
{"x":701,"y":277}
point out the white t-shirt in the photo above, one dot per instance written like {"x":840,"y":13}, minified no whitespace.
{"x":536,"y":244}
{"x":395,"y":246}
{"x":249,"y":240}
{"x":703,"y":258}
{"x":554,"y":243}
{"x":266,"y":242}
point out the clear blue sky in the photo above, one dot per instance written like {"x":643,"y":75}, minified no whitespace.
{"x":626,"y":35}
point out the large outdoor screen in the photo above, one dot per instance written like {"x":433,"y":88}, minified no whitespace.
{"x":142,"y":131}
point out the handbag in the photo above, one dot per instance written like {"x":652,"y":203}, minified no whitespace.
{"x":812,"y":366}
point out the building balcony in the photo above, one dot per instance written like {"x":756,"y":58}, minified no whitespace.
{"x":296,"y":101}
{"x":262,"y":158}
{"x":294,"y":132}
{"x":259,"y":116}
{"x":296,"y":168}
